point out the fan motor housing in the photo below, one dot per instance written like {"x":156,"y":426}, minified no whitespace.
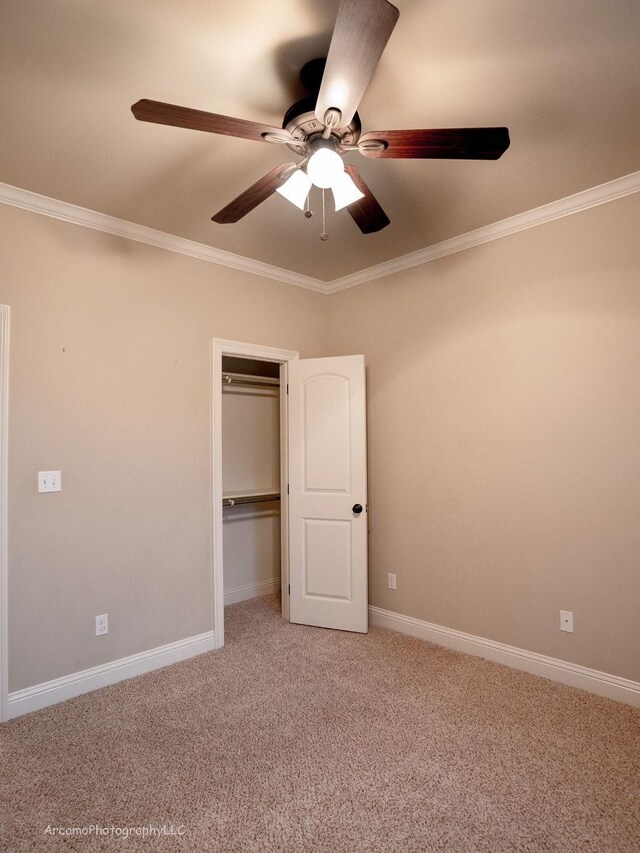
{"x":301,"y":122}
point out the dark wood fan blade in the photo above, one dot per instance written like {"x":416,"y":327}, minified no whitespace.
{"x":255,"y":195}
{"x":366,"y":212}
{"x":361,"y":32}
{"x":159,"y":113}
{"x":463,"y":143}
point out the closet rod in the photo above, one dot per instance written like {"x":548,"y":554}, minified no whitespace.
{"x":249,"y":499}
{"x":252,"y":381}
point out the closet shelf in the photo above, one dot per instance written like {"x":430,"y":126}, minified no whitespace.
{"x":248,"y":496}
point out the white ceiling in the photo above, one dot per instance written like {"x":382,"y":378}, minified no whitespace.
{"x":563,"y":75}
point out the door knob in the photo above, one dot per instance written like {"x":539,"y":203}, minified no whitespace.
{"x":357,"y":509}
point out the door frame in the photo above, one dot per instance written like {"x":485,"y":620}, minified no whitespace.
{"x":5,"y":314}
{"x":219,"y":348}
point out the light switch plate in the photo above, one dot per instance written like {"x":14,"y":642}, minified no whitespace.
{"x":49,"y":481}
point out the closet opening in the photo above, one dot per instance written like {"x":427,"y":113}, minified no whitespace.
{"x":249,"y":476}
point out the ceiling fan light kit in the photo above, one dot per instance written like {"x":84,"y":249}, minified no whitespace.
{"x":345,"y":192}
{"x":325,"y":170}
{"x":322,"y":127}
{"x":325,"y":167}
{"x":296,"y":189}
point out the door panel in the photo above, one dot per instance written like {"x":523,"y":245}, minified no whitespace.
{"x":327,"y":559}
{"x":327,"y":477}
{"x":327,"y":434}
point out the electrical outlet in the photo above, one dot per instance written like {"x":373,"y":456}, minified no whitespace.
{"x":49,"y":481}
{"x":566,"y":621}
{"x":102,"y":624}
{"x":391,"y":580}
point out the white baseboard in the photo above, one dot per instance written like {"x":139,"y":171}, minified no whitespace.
{"x":253,"y":590}
{"x":51,"y":692}
{"x":600,"y":683}
{"x":58,"y":690}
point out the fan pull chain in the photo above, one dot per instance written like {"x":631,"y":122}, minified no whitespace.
{"x":324,"y":235}
{"x":307,"y":207}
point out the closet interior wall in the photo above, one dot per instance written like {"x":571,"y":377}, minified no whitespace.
{"x":250,"y":470}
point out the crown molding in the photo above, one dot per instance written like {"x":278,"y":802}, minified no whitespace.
{"x":27,"y":200}
{"x":592,"y":197}
{"x":601,"y":194}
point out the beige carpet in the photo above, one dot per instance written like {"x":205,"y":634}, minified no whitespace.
{"x":299,"y":739}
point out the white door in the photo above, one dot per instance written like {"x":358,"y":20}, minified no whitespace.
{"x":328,"y":493}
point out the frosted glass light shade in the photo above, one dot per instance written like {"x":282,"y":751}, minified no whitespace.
{"x":345,"y":191}
{"x":325,"y":168}
{"x":296,"y":189}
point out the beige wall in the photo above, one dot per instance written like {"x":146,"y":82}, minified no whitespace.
{"x":504,"y":423}
{"x":251,"y":542}
{"x":110,"y":382}
{"x":504,"y":436}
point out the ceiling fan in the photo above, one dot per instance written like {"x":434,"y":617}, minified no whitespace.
{"x":325,"y":125}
